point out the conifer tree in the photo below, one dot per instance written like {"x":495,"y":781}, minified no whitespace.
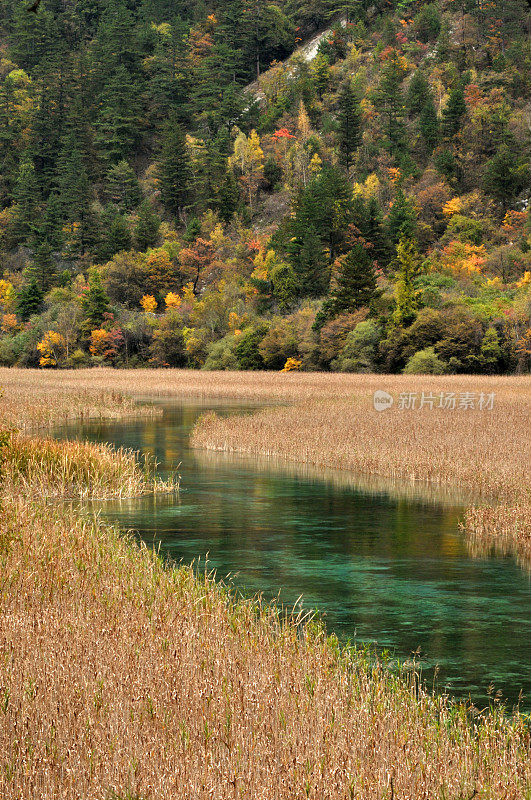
{"x":228,"y":196}
{"x":119,"y":123}
{"x":118,"y":236}
{"x":29,"y":300}
{"x":174,"y":169}
{"x":147,"y":227}
{"x":409,"y":268}
{"x":309,"y":262}
{"x":429,"y":125}
{"x":402,"y":217}
{"x":75,"y":196}
{"x":418,"y":93}
{"x":504,"y":178}
{"x":321,"y":73}
{"x":72,"y":180}
{"x":349,"y":120}
{"x":455,"y":108}
{"x":122,"y":187}
{"x":374,"y":232}
{"x":51,"y":228}
{"x":95,"y":301}
{"x":329,"y":190}
{"x":43,"y":267}
{"x":392,"y":104}
{"x":26,"y":196}
{"x":355,"y":281}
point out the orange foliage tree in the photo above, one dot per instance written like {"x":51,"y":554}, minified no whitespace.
{"x":198,"y":263}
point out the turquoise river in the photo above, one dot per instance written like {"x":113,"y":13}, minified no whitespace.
{"x":385,"y":564}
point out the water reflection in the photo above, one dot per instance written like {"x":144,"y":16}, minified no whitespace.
{"x":384,"y":561}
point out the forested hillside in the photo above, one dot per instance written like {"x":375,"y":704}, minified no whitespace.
{"x":364,"y":209}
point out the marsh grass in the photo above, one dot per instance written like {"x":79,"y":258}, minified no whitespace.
{"x":483,"y":453}
{"x":122,"y":676}
{"x":35,"y":400}
{"x":40,"y":467}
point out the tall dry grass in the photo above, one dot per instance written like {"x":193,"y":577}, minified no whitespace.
{"x":44,"y":468}
{"x":33,"y":399}
{"x":485,"y":453}
{"x":123,"y":678}
{"x":120,"y":677}
{"x":328,"y":421}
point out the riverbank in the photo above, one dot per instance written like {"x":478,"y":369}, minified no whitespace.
{"x":478,"y":441}
{"x":122,"y":677}
{"x":328,"y":420}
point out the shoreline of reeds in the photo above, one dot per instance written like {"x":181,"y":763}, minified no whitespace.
{"x":52,"y":470}
{"x":127,"y":678}
{"x":484,"y":453}
{"x":502,"y":524}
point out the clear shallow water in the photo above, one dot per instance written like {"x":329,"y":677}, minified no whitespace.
{"x":383,"y":565}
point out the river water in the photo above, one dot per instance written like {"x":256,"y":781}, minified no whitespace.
{"x":385,"y":565}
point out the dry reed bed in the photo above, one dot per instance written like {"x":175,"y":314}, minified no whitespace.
{"x":120,"y":677}
{"x":45,"y":468}
{"x":486,"y":453}
{"x":33,"y":399}
{"x":252,"y":386}
{"x":483,"y":452}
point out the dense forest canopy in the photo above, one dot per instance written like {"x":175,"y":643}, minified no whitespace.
{"x":178,"y":187}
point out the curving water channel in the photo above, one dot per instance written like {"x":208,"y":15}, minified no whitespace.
{"x":385,"y":564}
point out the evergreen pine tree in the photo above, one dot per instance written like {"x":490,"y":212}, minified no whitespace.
{"x":45,"y":136}
{"x":349,"y":120}
{"x":320,"y":73}
{"x":402,"y":218}
{"x":309,"y":261}
{"x":122,"y":187}
{"x":392,"y":104}
{"x":429,"y":125}
{"x":51,"y":228}
{"x":174,"y":169}
{"x":418,"y":93}
{"x":455,"y":108}
{"x":43,"y":267}
{"x":26,"y":196}
{"x":147,"y":227}
{"x":504,"y":178}
{"x":409,"y":268}
{"x":355,"y":282}
{"x":74,"y":196}
{"x":29,"y":300}
{"x":72,"y":181}
{"x":330,"y":189}
{"x":118,"y":236}
{"x":374,"y":232}
{"x":95,"y":301}
{"x":229,"y":196}
{"x":119,"y":124}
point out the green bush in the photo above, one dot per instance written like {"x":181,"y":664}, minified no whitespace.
{"x":221,"y":354}
{"x":361,"y":349}
{"x":425,"y":362}
{"x":247,"y":352}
